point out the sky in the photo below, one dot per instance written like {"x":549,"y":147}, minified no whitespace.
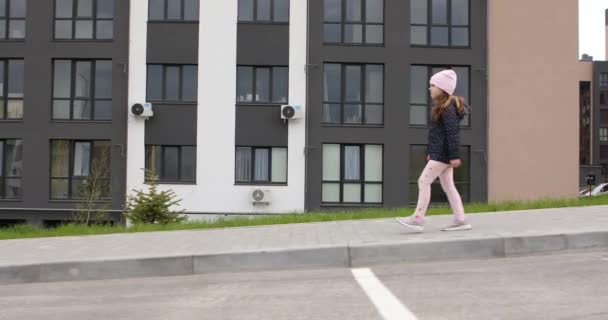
{"x":592,"y":29}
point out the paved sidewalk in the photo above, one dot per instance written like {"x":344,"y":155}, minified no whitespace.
{"x":313,"y":245}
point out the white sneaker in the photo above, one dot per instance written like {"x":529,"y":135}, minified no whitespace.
{"x":458,"y":226}
{"x":411,"y":223}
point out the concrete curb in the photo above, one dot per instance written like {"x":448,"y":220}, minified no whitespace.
{"x":345,"y":256}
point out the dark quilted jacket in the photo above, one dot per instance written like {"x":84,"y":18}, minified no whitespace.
{"x":444,"y":136}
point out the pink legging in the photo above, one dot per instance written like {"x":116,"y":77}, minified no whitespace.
{"x":445,"y":172}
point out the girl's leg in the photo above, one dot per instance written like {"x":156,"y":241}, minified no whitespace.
{"x":432,"y":170}
{"x":447,"y":183}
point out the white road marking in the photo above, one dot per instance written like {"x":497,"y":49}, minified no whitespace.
{"x":388,"y":305}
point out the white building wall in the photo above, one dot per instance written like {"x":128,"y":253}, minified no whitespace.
{"x":215,"y":191}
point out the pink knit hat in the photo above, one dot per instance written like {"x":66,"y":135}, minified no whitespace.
{"x":445,"y":80}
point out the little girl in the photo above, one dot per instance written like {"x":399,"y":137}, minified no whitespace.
{"x":443,"y":152}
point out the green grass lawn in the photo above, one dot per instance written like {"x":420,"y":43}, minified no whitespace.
{"x":28,"y":231}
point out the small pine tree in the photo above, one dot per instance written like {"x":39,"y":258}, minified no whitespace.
{"x":153,"y":207}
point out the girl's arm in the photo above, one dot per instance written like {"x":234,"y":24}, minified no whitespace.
{"x":451,"y":122}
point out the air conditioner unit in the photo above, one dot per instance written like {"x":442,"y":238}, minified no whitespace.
{"x":291,"y":112}
{"x":260,"y":197}
{"x":142,"y":110}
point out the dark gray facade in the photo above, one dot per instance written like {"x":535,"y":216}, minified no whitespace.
{"x":396,"y":135}
{"x":37,"y":128}
{"x":600,"y":115}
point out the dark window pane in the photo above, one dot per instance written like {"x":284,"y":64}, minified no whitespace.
{"x":243,"y":164}
{"x":332,"y":87}
{"x":191,"y":10}
{"x":2,"y":29}
{"x":280,"y":82}
{"x":419,"y":87}
{"x":263,"y":10}
{"x":63,"y":8}
{"x":604,"y":116}
{"x":3,"y":8}
{"x":103,"y":79}
{"x":374,"y":86}
{"x":331,"y":113}
{"x":262,"y":158}
{"x":440,"y":11}
{"x":419,"y":115}
{"x":373,"y":114}
{"x":244,"y":84}
{"x":12,"y":188}
{"x":156,"y":10}
{"x":374,"y":11}
{"x":188,"y":164}
{"x":353,"y":83}
{"x":353,"y":33}
{"x":63,"y":29}
{"x":18,"y":8}
{"x":82,"y":110}
{"x":83,"y":79}
{"x":16,"y":29}
{"x":103,"y":110}
{"x":439,"y":36}
{"x":172,"y":83}
{"x":352,"y":114}
{"x":105,"y":8}
{"x":374,"y":34}
{"x":1,"y":79}
{"x":105,"y":30}
{"x":281,"y":10}
{"x":59,"y":189}
{"x":170,"y":163}
{"x":246,"y":10}
{"x":333,"y":10}
{"x":85,"y":8}
{"x":462,"y":174}
{"x":189,"y":83}
{"x":460,"y":12}
{"x":60,"y":158}
{"x":15,"y":78}
{"x":82,"y":159}
{"x":352,"y":163}
{"x":155,"y":83}
{"x":418,"y":35}
{"x":332,"y":33}
{"x":418,"y":11}
{"x":262,"y":84}
{"x":462,"y":87}
{"x":13,"y":153}
{"x":84,"y":30}
{"x":61,"y":109}
{"x":460,"y":37}
{"x":353,"y":10}
{"x":417,"y":161}
{"x":174,"y":9}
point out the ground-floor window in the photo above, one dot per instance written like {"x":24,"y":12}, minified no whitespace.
{"x":11,"y":151}
{"x":261,"y":165}
{"x":172,"y":164}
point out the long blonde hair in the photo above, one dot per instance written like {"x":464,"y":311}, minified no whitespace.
{"x":441,"y":104}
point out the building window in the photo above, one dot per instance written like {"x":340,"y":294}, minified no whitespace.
{"x":418,"y":154}
{"x":353,"y":94}
{"x":359,"y":22}
{"x":604,"y":79}
{"x":80,"y":168}
{"x":11,"y":156}
{"x":604,"y":97}
{"x":173,"y":10}
{"x":82,"y":90}
{"x":604,"y":152}
{"x":604,"y":117}
{"x":84,"y":19}
{"x":171,"y":163}
{"x":352,"y":174}
{"x":264,"y":10}
{"x":172,"y":83}
{"x":420,"y":99}
{"x":12,"y":19}
{"x":604,"y":134}
{"x":443,"y":23}
{"x":11,"y":89}
{"x":262,"y":84}
{"x":261,"y":165}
